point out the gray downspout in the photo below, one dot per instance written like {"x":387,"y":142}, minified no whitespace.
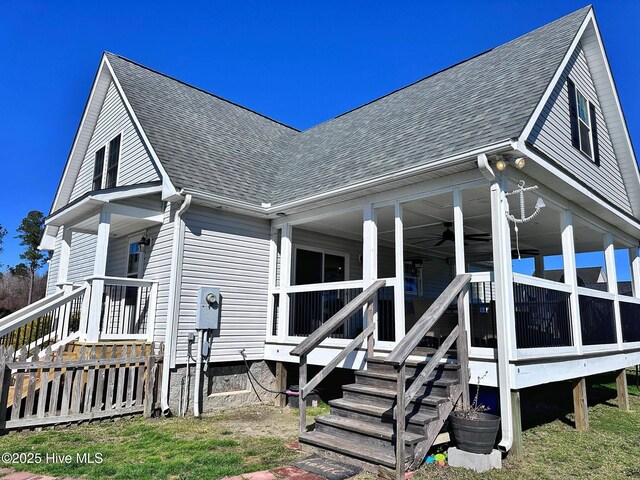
{"x":174,"y":300}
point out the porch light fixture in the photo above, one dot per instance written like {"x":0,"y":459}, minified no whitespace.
{"x":144,"y":242}
{"x":519,"y":163}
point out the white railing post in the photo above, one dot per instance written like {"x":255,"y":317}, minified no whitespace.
{"x":285,"y":282}
{"x":398,"y":290}
{"x":571,"y":275}
{"x":63,"y":259}
{"x":273,"y":269}
{"x":151,"y":311}
{"x":84,"y":312}
{"x":612,"y":281}
{"x":370,"y":260}
{"x":461,"y":262}
{"x":634,"y":260}
{"x":99,"y":270}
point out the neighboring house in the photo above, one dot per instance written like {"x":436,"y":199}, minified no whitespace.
{"x":169,"y":188}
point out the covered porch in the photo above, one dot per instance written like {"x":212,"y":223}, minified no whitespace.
{"x":563,"y":286}
{"x":109,"y":235}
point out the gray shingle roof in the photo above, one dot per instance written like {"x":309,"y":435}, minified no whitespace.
{"x":480,"y":101}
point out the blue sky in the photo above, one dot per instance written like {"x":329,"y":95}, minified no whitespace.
{"x":297,"y":62}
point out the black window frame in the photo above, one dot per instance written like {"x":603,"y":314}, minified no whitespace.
{"x":590,"y":149}
{"x":98,"y":169}
{"x":113,"y":161}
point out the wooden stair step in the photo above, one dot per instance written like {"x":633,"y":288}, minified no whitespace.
{"x":433,"y":379}
{"x":376,"y":456}
{"x":390,"y":395}
{"x":420,"y":418}
{"x":381,"y":431}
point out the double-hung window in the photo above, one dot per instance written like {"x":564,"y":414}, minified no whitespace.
{"x":106,"y":176}
{"x":98,"y":168}
{"x":584,"y":130}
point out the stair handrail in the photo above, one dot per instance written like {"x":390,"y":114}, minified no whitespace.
{"x":398,"y":358}
{"x":26,"y":314}
{"x":312,"y":341}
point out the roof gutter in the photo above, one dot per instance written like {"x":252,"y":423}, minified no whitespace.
{"x":174,"y":301}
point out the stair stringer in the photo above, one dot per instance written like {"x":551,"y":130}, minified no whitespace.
{"x":434,"y":428}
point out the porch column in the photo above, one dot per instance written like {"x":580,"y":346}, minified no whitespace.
{"x":99,"y":270}
{"x":63,"y":260}
{"x":398,"y":291}
{"x":634,"y":260}
{"x":539,"y":266}
{"x":503,"y":277}
{"x":370,"y":259}
{"x":612,"y":281}
{"x":285,"y":282}
{"x":571,"y":276}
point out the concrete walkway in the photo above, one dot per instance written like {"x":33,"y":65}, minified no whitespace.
{"x":8,"y":474}
{"x":281,"y":473}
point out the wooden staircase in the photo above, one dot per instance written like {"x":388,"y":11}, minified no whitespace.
{"x":389,"y":418}
{"x":365,"y":416}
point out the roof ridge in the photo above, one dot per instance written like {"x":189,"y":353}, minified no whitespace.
{"x":106,"y":52}
{"x":588,"y":7}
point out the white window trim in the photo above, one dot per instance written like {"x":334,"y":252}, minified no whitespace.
{"x":134,"y":238}
{"x":578,"y":91}
{"x":105,"y":163}
{"x":296,"y":247}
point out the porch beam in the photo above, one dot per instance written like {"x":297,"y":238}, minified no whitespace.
{"x":398,"y":289}
{"x":99,"y":270}
{"x":634,"y":260}
{"x":571,"y":275}
{"x":285,"y":282}
{"x":135,"y":212}
{"x":63,"y":259}
{"x":612,"y":281}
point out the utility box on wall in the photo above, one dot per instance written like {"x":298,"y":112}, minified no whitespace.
{"x":208,"y":311}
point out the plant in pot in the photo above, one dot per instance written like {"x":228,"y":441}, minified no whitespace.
{"x":474,"y":430}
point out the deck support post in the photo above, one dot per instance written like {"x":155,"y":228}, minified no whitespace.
{"x":99,"y":270}
{"x":281,"y":384}
{"x":580,"y":403}
{"x":517,"y":449}
{"x":623,"y":392}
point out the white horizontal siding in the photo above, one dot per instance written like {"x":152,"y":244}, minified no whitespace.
{"x":230,"y":252}
{"x":552,"y":135}
{"x":82,"y":256}
{"x":135,"y":165}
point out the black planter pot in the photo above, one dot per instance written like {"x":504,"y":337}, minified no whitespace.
{"x":475,"y":436}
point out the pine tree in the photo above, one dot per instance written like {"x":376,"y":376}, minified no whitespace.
{"x":30,"y":232}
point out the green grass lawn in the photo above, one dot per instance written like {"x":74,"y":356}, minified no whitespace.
{"x":178,"y":448}
{"x":252,"y":438}
{"x":553,"y":449}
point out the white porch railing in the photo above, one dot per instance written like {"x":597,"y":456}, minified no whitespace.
{"x":127,"y":310}
{"x":51,"y":321}
{"x":313,"y":304}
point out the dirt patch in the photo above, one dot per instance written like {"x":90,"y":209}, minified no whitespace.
{"x":257,"y":421}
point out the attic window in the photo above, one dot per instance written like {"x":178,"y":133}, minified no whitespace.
{"x":98,"y":168}
{"x":112,"y":165}
{"x":584,"y":132}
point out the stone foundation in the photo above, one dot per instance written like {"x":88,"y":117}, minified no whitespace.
{"x":224,"y":385}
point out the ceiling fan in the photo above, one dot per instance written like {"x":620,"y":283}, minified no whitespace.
{"x":449,"y":236}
